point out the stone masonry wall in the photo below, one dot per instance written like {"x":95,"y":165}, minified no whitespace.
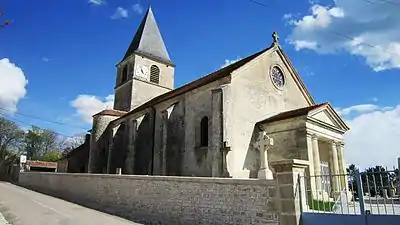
{"x":165,"y":200}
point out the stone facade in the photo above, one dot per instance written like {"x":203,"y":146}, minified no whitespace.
{"x":233,"y":122}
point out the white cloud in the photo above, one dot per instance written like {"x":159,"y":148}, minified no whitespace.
{"x":302,"y":44}
{"x":230,"y":61}
{"x":375,"y":99}
{"x":12,"y":85}
{"x":97,"y":2}
{"x":137,"y":8}
{"x":287,"y":16}
{"x":360,"y":28}
{"x":45,"y":59}
{"x":373,"y":138}
{"x":120,"y":13}
{"x":358,"y":109}
{"x":88,"y":105}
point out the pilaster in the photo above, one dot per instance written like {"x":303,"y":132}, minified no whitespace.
{"x":164,"y":136}
{"x":130,"y":158}
{"x":216,"y":132}
{"x":110,"y":147}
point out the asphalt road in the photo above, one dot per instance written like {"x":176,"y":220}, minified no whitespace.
{"x":21,"y":206}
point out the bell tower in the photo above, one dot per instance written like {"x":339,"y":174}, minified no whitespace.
{"x":146,"y":70}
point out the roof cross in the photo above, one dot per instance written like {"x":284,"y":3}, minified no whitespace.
{"x":275,"y":37}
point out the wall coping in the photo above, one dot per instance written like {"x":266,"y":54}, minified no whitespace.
{"x":217,"y":180}
{"x":294,"y":162}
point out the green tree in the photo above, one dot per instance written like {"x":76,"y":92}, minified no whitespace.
{"x":377,"y":179}
{"x":39,"y":141}
{"x":11,"y":137}
{"x":51,"y":156}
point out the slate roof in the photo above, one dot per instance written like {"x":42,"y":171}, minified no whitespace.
{"x":148,"y":40}
{"x":222,"y":73}
{"x":292,"y":113}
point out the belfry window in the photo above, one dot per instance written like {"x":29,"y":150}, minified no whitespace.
{"x":154,"y":74}
{"x":124,"y":74}
{"x":204,"y":131}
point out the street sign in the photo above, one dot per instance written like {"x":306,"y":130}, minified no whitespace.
{"x":22,"y":159}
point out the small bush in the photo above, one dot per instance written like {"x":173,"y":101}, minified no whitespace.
{"x":321,"y":205}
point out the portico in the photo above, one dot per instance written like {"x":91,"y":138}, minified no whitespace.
{"x":315,"y":134}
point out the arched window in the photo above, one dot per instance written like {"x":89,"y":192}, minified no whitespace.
{"x":204,"y":131}
{"x":154,"y":74}
{"x":124,"y":74}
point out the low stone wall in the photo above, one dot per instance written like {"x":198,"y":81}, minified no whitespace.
{"x":165,"y":200}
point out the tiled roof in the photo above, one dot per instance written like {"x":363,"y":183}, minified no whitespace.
{"x":219,"y":74}
{"x":292,"y":113}
{"x":111,"y":112}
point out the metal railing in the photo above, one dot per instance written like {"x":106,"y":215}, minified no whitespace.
{"x":353,"y":193}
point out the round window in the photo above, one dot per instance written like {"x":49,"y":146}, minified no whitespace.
{"x":277,"y":77}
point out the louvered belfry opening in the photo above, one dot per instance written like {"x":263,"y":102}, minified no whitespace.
{"x":124,"y":74}
{"x":154,"y":74}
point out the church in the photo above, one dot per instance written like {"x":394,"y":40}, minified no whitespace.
{"x":231,"y":123}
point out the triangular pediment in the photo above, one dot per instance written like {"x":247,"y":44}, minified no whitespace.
{"x":327,"y":115}
{"x":277,"y":57}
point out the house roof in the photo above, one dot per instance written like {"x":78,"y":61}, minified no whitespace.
{"x":292,"y":113}
{"x":148,"y":40}
{"x":222,"y":73}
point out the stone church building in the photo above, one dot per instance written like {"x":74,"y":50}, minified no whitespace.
{"x":233,"y":122}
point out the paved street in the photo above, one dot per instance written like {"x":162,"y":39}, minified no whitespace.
{"x":20,"y":206}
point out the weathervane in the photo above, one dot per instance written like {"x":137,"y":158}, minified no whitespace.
{"x":275,"y":37}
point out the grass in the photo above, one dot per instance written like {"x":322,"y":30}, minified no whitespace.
{"x":321,"y":205}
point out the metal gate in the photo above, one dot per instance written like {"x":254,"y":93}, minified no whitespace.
{"x":355,"y":198}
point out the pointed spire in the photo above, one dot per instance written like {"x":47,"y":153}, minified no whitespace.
{"x":148,"y":40}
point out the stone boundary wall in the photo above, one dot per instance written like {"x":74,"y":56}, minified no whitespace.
{"x":165,"y":200}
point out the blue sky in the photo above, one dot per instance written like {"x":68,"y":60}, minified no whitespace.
{"x":66,"y":49}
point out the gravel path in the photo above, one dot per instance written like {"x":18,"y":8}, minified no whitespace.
{"x":3,"y":221}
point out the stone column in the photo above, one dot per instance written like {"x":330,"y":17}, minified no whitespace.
{"x":290,"y":183}
{"x":216,"y":131}
{"x":264,"y":142}
{"x":342,"y":165}
{"x":335,"y":168}
{"x":130,"y":157}
{"x":311,"y":173}
{"x":317,"y":164}
{"x":164,"y":135}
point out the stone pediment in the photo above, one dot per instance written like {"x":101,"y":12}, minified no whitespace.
{"x":322,"y":114}
{"x":325,"y":114}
